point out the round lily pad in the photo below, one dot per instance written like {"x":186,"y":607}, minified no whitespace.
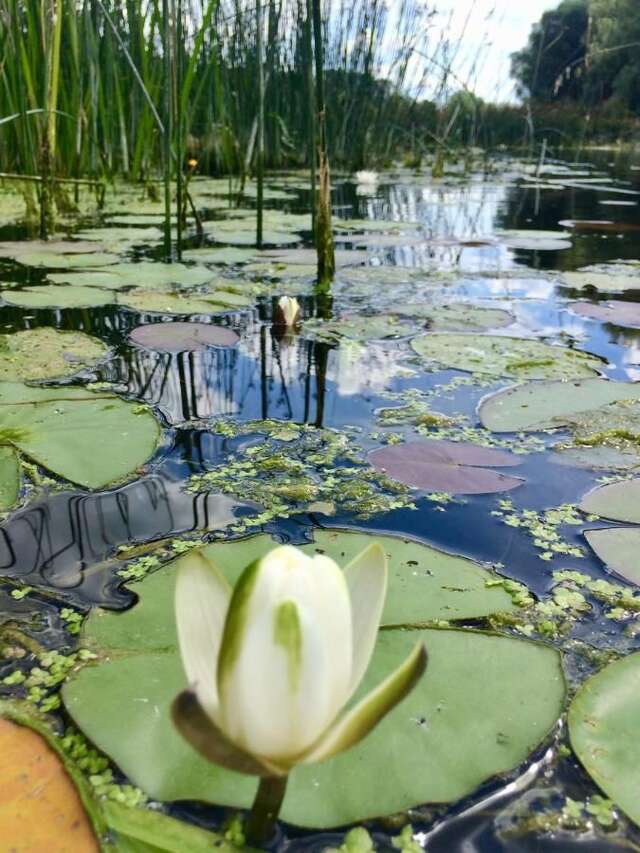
{"x":617,"y":501}
{"x":619,"y":313}
{"x":158,"y":302}
{"x":548,"y":405}
{"x":604,"y":726}
{"x":504,"y":356}
{"x":225,"y":255}
{"x":456,"y":316}
{"x":57,"y":296}
{"x":618,"y":548}
{"x":460,"y":468}
{"x":357,"y":328}
{"x":45,"y":353}
{"x":596,"y":457}
{"x":183,"y":337}
{"x":484,"y":703}
{"x":12,"y":248}
{"x":603,"y":282}
{"x":248,"y":238}
{"x":54,"y":260}
{"x":91,"y":439}
{"x":538,"y":241}
{"x":104,"y":279}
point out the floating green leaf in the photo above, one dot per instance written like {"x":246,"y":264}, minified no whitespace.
{"x":90,"y":439}
{"x":617,"y":501}
{"x":158,"y":302}
{"x":9,"y":477}
{"x":604,"y":726}
{"x":603,"y":282}
{"x":55,"y":260}
{"x":504,"y":356}
{"x":44,"y":353}
{"x":618,"y":548}
{"x":357,"y":328}
{"x":451,"y":723}
{"x":456,"y":316}
{"x":548,"y":405}
{"x":56,"y":296}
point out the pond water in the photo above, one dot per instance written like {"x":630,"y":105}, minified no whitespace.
{"x":62,"y":540}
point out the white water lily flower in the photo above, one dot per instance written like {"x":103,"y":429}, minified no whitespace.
{"x":289,"y":310}
{"x":272,"y":664}
{"x":366,"y":177}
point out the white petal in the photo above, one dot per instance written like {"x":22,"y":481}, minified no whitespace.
{"x":285,"y":661}
{"x":201,"y":601}
{"x":363,"y":717}
{"x":366,"y":577}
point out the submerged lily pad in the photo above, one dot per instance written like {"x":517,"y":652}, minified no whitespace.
{"x":596,"y":457}
{"x":549,"y":405}
{"x":57,"y":296}
{"x":183,"y":337}
{"x":619,"y":313}
{"x":44,"y":353}
{"x":504,"y":356}
{"x":87,"y":438}
{"x":604,"y":726}
{"x":456,"y":316}
{"x":356,"y":328}
{"x":459,"y":468}
{"x":451,"y":722}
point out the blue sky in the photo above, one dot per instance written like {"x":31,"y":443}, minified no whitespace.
{"x":494,"y":29}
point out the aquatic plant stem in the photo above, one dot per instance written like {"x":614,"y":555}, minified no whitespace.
{"x":260,"y":151}
{"x":266,"y":808}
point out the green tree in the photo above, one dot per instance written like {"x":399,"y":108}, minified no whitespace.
{"x":614,"y":52}
{"x":551,"y":66}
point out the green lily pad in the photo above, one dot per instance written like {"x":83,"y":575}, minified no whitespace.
{"x":598,"y":458}
{"x":604,"y":726}
{"x":240,"y":237}
{"x":57,"y":296}
{"x":158,"y":302}
{"x":456,"y":316}
{"x":618,"y":548}
{"x":9,"y":477}
{"x":617,"y":501}
{"x":451,"y":722}
{"x":89,"y":439}
{"x":549,"y":405}
{"x":503,"y":356}
{"x":54,"y":260}
{"x":90,"y":278}
{"x":373,"y":225}
{"x":537,"y":241}
{"x":225,"y":255}
{"x":603,"y":282}
{"x":356,"y":328}
{"x":45,"y":353}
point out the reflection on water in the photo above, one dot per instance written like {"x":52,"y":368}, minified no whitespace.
{"x":59,"y":542}
{"x":66,"y":541}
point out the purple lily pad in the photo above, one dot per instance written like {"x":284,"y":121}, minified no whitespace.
{"x":183,"y":337}
{"x":459,"y":468}
{"x":614,"y":311}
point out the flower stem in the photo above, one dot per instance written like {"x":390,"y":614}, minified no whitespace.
{"x":266,"y":808}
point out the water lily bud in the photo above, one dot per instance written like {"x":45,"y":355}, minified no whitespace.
{"x":288,"y":311}
{"x":272,"y":664}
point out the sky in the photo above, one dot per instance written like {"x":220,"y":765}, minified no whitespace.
{"x":494,"y":30}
